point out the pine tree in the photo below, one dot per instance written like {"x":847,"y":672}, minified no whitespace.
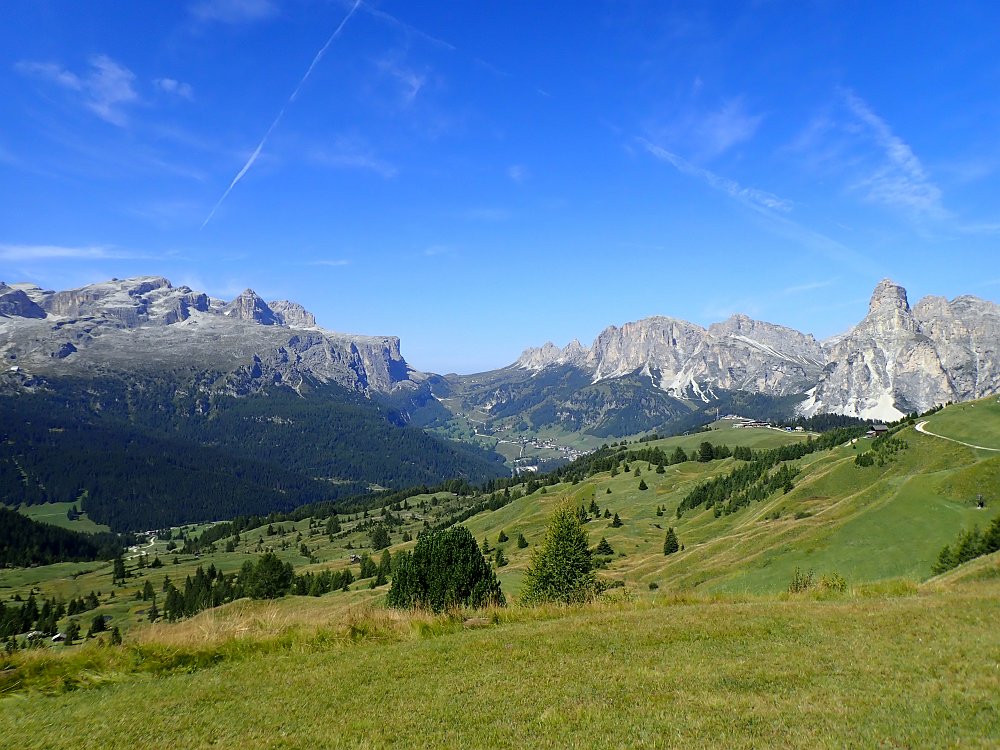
{"x":380,"y":538}
{"x":642,"y":484}
{"x":118,"y":574}
{"x":521,"y":541}
{"x":446,"y":569}
{"x":500,"y":558}
{"x":670,"y":544}
{"x":603,"y":548}
{"x":561,"y":568}
{"x":502,"y":537}
{"x":616,"y":522}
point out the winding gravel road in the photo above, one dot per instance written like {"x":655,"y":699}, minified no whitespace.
{"x":919,"y":427}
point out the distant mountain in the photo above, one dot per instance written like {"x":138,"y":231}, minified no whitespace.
{"x":666,"y":374}
{"x":897,"y":360}
{"x":154,"y":405}
{"x":147,"y":323}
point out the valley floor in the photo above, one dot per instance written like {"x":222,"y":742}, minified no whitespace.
{"x":918,"y":670}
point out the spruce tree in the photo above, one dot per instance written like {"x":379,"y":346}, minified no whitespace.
{"x":670,"y":544}
{"x":521,"y":541}
{"x":616,"y":522}
{"x":561,"y":568}
{"x":642,"y":484}
{"x":603,"y":548}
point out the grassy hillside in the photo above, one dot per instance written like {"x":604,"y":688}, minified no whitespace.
{"x":57,"y":515}
{"x":867,"y":524}
{"x":717,"y":654}
{"x":912,"y":671}
{"x":975,"y":422}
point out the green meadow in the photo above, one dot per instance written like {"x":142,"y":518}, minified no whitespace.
{"x":975,"y":422}
{"x":917,"y":670}
{"x":701,"y":648}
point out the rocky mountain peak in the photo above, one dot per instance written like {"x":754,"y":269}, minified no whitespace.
{"x":14,"y":302}
{"x":250,"y":307}
{"x":292,"y":314}
{"x":888,"y":295}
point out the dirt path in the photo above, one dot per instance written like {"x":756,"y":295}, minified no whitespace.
{"x":919,"y":427}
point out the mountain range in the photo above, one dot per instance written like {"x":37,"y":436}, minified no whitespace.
{"x":156,"y":342}
{"x":895,"y":361}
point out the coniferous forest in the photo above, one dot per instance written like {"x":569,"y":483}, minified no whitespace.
{"x":153,"y":453}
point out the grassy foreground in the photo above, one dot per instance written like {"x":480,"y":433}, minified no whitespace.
{"x":919,"y":670}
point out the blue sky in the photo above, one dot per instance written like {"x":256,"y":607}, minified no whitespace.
{"x":481,"y":177}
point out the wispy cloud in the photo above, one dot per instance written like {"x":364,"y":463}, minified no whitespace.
{"x":352,"y":153}
{"x":175,"y":87}
{"x":22,"y":253}
{"x":332,"y":263}
{"x":410,"y":81}
{"x":709,"y":133}
{"x":436,"y":250}
{"x":899,"y":180}
{"x":987,"y":228}
{"x":517,"y":172}
{"x":381,"y":15}
{"x":256,"y":152}
{"x":809,"y":286}
{"x":105,"y":89}
{"x":752,"y":197}
{"x":233,"y":11}
{"x":728,"y":126}
{"x":772,"y":209}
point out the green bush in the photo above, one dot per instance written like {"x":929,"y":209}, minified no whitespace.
{"x":446,"y":569}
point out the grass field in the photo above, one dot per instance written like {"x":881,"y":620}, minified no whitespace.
{"x":975,"y":422}
{"x":915,"y":671}
{"x":55,"y":514}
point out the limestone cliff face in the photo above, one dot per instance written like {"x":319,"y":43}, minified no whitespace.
{"x":686,"y":360}
{"x":292,"y":314}
{"x":16,"y":303}
{"x":900,"y":360}
{"x":146,"y":323}
{"x":895,"y":361}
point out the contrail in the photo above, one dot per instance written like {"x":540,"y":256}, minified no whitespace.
{"x":295,"y":93}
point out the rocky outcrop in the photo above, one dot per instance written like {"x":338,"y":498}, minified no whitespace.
{"x":689,"y":361}
{"x":248,"y":306}
{"x":15,"y":303}
{"x":900,"y":360}
{"x":147,"y":323}
{"x":896,"y":361}
{"x":292,"y":314}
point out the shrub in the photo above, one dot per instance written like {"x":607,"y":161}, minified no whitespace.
{"x":800,"y":582}
{"x":446,"y":569}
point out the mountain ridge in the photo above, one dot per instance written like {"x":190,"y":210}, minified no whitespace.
{"x":741,"y":353}
{"x":896,"y":360}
